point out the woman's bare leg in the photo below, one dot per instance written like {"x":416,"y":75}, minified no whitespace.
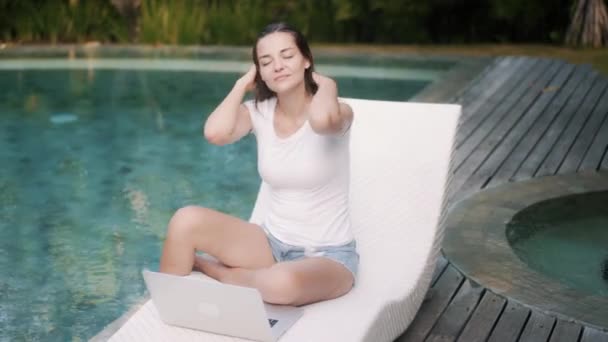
{"x":234,"y":242}
{"x":291,"y":283}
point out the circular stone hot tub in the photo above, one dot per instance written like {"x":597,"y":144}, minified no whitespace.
{"x":542,"y":243}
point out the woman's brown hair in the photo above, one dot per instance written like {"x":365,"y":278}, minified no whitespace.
{"x":262,"y":92}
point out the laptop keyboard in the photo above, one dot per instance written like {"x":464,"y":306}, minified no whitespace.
{"x":272,"y":322}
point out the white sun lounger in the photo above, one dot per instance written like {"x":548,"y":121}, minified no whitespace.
{"x":400,"y":155}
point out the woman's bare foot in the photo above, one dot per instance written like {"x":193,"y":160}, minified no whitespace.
{"x":211,"y":268}
{"x":222,"y":273}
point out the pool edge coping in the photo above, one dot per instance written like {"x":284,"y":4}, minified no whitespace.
{"x":244,"y":50}
{"x":109,"y":330}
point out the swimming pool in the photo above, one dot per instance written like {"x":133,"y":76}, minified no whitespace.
{"x":567,"y":239}
{"x":97,"y":155}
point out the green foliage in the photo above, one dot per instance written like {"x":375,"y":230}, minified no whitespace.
{"x":96,"y":20}
{"x":525,"y":20}
{"x":60,"y":20}
{"x":173,"y":22}
{"x":201,"y":22}
{"x":239,"y":21}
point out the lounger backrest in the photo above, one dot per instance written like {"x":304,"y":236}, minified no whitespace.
{"x":400,"y":155}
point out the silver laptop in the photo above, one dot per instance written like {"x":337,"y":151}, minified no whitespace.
{"x":204,"y":304}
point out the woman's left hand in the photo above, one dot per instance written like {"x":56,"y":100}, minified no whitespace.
{"x":322,"y":80}
{"x":327,"y":116}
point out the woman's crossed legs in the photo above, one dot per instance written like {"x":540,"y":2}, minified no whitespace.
{"x":245,"y":259}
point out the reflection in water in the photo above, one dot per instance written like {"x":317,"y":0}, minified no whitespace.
{"x":62,"y":118}
{"x":139,"y":204}
{"x":31,"y":103}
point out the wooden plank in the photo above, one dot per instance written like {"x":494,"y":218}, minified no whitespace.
{"x":538,"y":328}
{"x":594,"y":335}
{"x":497,"y":108}
{"x":471,"y":134}
{"x":456,"y":81}
{"x":442,"y":263}
{"x":487,"y":87}
{"x":565,"y":332}
{"x":453,"y":319}
{"x":440,"y":267}
{"x":472,"y":117}
{"x":543,"y":147}
{"x":474,"y":87}
{"x":548,"y":105}
{"x":482,"y":321}
{"x":494,"y":136}
{"x":587,"y":133}
{"x":510,"y":323}
{"x":446,"y":287}
{"x":561,"y":147}
{"x":597,"y":148}
{"x":497,"y":157}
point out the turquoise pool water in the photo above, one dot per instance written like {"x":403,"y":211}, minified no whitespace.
{"x":94,"y":163}
{"x":566,"y":239}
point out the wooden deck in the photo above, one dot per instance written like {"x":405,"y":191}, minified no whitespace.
{"x":522,"y":118}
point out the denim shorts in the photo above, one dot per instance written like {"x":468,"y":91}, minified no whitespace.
{"x":346,"y":254}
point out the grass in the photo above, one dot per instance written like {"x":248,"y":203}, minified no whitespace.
{"x":598,"y":58}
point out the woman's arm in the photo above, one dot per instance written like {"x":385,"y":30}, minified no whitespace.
{"x":230,"y":121}
{"x":327,"y":115}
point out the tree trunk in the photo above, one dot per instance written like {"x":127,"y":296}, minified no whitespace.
{"x":589,"y":24}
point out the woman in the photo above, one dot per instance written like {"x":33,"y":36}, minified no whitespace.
{"x":304,"y":251}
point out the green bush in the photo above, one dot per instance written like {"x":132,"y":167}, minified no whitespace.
{"x":61,"y":20}
{"x":173,"y":22}
{"x":238,"y":21}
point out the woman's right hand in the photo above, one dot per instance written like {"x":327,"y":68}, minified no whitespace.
{"x":248,"y":79}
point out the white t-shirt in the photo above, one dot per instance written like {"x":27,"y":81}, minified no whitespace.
{"x":308,"y":177}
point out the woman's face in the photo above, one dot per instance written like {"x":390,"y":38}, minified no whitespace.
{"x":280,"y":63}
